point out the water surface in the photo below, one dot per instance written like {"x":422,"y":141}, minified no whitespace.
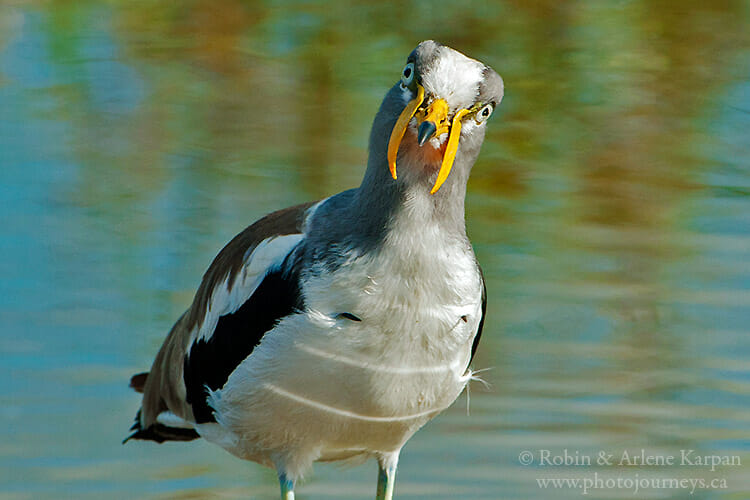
{"x":610,"y":210}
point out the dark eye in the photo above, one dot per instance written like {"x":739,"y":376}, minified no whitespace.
{"x":484,"y":113}
{"x":407,"y":76}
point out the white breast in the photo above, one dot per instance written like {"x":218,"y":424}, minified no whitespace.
{"x":327,"y":386}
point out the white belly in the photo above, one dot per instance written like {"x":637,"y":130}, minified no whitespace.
{"x":321,"y":386}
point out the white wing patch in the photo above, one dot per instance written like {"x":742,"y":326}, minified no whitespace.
{"x":225,"y":300}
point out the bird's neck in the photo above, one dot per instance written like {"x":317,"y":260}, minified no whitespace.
{"x":406,"y":202}
{"x":381,"y":202}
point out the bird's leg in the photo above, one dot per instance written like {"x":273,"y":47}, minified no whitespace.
{"x":386,"y":480}
{"x":287,"y":487}
{"x":387,"y":464}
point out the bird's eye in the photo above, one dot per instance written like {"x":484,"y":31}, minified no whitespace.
{"x":484,"y":113}
{"x":407,"y":76}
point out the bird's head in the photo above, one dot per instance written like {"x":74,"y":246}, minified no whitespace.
{"x":437,"y":113}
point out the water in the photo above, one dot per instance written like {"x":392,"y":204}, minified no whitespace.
{"x":610,"y":209}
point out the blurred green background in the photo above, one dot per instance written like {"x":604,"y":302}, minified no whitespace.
{"x":610,"y":209}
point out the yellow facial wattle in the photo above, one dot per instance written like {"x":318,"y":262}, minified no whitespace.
{"x":436,"y":114}
{"x":450,"y":150}
{"x":400,"y":128}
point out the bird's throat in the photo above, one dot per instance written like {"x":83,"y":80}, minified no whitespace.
{"x":430,"y":155}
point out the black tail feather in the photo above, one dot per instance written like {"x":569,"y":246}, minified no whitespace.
{"x":138,"y":381}
{"x":159,"y":432}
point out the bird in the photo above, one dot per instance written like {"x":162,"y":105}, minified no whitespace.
{"x":335,"y":329}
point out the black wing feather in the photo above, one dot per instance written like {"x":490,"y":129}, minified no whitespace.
{"x":210,"y":361}
{"x":475,"y":345}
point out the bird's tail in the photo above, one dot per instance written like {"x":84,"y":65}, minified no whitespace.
{"x":155,"y":432}
{"x":138,"y":382}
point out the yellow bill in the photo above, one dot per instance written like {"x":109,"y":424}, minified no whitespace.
{"x":434,"y":123}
